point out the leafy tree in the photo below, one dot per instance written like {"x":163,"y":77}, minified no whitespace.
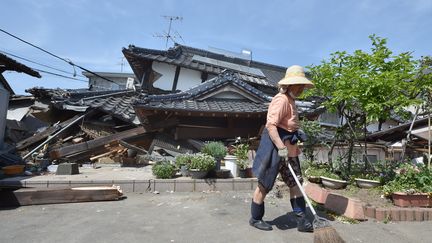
{"x":367,"y":87}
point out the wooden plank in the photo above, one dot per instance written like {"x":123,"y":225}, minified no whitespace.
{"x":92,"y":144}
{"x":32,"y":196}
{"x":131,"y":146}
{"x":42,"y":135}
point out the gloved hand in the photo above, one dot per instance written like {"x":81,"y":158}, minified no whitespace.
{"x":283,"y":153}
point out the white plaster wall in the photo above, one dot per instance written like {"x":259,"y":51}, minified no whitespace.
{"x":188,"y":78}
{"x":120,"y":83}
{"x":321,"y":153}
{"x":386,"y":125}
{"x":167,"y":71}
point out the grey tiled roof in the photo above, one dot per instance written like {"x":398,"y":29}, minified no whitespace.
{"x":118,"y":103}
{"x":190,"y":100}
{"x":181,"y":55}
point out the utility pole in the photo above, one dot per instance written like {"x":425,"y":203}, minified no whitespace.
{"x":168,"y":34}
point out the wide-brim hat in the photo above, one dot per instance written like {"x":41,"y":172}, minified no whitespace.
{"x":296,"y":75}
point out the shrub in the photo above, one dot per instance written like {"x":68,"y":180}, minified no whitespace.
{"x":410,"y":179}
{"x":215,"y":149}
{"x":183,"y":159}
{"x":241,"y":153}
{"x":202,"y":162}
{"x":163,"y":170}
{"x":321,"y":170}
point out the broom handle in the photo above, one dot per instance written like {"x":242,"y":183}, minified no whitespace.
{"x":301,"y":188}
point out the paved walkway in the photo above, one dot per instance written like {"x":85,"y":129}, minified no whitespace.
{"x":182,"y":217}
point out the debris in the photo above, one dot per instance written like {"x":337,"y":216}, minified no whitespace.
{"x":33,"y":196}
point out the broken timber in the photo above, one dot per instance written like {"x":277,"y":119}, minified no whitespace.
{"x":33,"y":196}
{"x":95,"y":143}
{"x":42,"y":135}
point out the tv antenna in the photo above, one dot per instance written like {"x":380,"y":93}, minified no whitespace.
{"x":168,"y":35}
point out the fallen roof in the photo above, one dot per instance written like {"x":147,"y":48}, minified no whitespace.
{"x":396,"y":133}
{"x":117,"y":103}
{"x":7,"y":63}
{"x":201,"y":98}
{"x":202,"y":60}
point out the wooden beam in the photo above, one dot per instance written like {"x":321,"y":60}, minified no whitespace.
{"x":33,"y":196}
{"x":92,"y":144}
{"x":42,"y":135}
{"x":176,"y":77}
{"x":133,"y":147}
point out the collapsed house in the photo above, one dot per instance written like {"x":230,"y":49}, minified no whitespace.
{"x":181,"y":98}
{"x":16,"y":121}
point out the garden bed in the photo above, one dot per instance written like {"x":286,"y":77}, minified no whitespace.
{"x":372,"y":196}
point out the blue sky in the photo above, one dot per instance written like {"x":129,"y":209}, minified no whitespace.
{"x":92,"y":33}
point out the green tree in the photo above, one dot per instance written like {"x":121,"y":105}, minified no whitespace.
{"x":367,"y":87}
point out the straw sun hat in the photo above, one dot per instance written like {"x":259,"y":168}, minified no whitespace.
{"x":295,"y":75}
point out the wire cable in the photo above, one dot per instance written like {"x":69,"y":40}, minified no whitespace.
{"x":59,"y":75}
{"x":28,"y":60}
{"x":54,"y":55}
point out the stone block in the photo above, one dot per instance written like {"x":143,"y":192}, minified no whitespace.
{"x":395,"y":214}
{"x":369,"y":211}
{"x":67,"y":169}
{"x":351,"y":208}
{"x":316,"y":192}
{"x":419,"y":214}
{"x":409,"y":214}
{"x":380,"y":214}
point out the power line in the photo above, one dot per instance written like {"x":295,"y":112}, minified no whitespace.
{"x":59,"y":75}
{"x":52,"y":54}
{"x":28,"y":60}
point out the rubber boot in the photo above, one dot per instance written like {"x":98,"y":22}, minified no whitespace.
{"x":303,"y":224}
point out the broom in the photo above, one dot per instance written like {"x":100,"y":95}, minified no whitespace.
{"x":323,"y":231}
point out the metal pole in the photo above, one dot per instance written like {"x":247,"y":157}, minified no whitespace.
{"x":429,"y":138}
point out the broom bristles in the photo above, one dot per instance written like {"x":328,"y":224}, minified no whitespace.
{"x":327,"y":235}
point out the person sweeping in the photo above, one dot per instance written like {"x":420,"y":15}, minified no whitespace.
{"x":278,"y":153}
{"x":279,"y":140}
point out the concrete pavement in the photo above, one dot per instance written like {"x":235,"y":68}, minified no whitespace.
{"x":181,"y":217}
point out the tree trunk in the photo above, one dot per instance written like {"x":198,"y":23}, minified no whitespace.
{"x":330,"y":154}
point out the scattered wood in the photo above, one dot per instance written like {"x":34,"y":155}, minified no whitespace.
{"x":133,"y":147}
{"x":102,"y":155}
{"x":95,"y":143}
{"x":33,"y":196}
{"x":44,"y":134}
{"x":77,"y":140}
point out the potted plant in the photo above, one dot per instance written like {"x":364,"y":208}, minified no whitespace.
{"x":367,"y":180}
{"x":328,"y":178}
{"x":215,"y":149}
{"x":241,"y":153}
{"x":182,"y":162}
{"x":164,"y":170}
{"x":412,"y":186}
{"x":230,"y":161}
{"x":314,"y":172}
{"x":200,"y":165}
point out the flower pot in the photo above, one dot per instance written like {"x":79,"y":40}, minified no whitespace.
{"x":197,"y":174}
{"x":333,"y":183}
{"x":242,"y":173}
{"x":184,"y":170}
{"x":365,"y":183}
{"x":230,"y":164}
{"x":223,"y":173}
{"x":412,"y":200}
{"x":13,"y":169}
{"x":314,"y":179}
